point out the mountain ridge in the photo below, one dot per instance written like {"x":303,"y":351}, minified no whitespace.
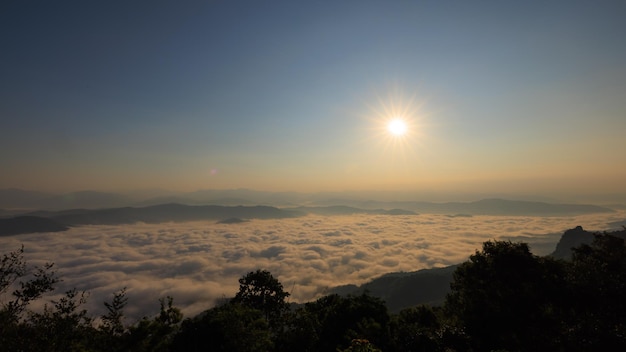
{"x":429,"y":286}
{"x":11,"y":199}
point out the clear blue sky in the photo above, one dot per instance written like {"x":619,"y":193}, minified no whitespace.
{"x":525,"y":96}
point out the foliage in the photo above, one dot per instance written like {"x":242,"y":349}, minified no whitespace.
{"x":28,"y":285}
{"x":416,"y":329}
{"x":334,"y":321}
{"x":361,"y":345}
{"x":502,"y":298}
{"x":260,"y":290}
{"x":158,"y":333}
{"x":112,"y":321}
{"x":65,"y":326}
{"x":230,"y":327}
{"x":596,"y":306}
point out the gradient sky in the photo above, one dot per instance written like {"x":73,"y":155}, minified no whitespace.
{"x":520,"y":96}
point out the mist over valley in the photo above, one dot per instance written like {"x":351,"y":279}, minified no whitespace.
{"x":198,"y":262}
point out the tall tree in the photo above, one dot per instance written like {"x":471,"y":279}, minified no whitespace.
{"x":597,"y":279}
{"x":333,"y":322}
{"x":503,"y":297}
{"x":229,"y":328}
{"x":260,"y":290}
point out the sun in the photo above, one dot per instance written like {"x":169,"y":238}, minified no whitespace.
{"x":397,"y":127}
{"x":397,"y":123}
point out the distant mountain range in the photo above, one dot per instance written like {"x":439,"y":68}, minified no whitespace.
{"x":15,"y":199}
{"x":53,"y":221}
{"x":490,"y":207}
{"x":179,"y":213}
{"x":164,"y":213}
{"x":346,"y":210}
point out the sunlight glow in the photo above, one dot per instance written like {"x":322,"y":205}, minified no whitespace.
{"x":397,"y":127}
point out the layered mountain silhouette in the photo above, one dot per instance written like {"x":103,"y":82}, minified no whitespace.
{"x":490,"y":207}
{"x":176,"y":213}
{"x":166,"y":213}
{"x":22,"y":199}
{"x":346,"y":210}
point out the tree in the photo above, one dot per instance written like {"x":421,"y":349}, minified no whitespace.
{"x":333,"y":322}
{"x":416,"y":329}
{"x":361,"y":345}
{"x":597,"y":283}
{"x":230,"y":327}
{"x":112,"y":321}
{"x":504,"y":298}
{"x":112,"y":333}
{"x":28,"y":283}
{"x":62,"y":327}
{"x":158,"y":333}
{"x":260,"y":290}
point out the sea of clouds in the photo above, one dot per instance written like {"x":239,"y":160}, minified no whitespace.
{"x":199,"y":263}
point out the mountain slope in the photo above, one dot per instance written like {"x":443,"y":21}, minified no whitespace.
{"x":165,"y":213}
{"x":29,"y":224}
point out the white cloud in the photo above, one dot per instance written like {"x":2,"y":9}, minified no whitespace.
{"x":199,"y":263}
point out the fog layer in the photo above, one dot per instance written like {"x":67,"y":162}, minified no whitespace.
{"x":199,"y":263}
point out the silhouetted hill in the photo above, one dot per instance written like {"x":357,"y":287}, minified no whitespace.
{"x":430,"y":286}
{"x":232,"y":221}
{"x":10,"y":213}
{"x":402,"y":290}
{"x":346,"y":210}
{"x":29,"y":224}
{"x":575,"y":237}
{"x":85,"y":199}
{"x":165,"y":213}
{"x":244,"y":196}
{"x":18,"y":198}
{"x":487,"y":207}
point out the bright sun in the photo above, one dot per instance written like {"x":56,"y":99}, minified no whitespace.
{"x":397,"y":127}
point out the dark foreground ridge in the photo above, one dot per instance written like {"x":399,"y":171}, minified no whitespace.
{"x":401,"y":290}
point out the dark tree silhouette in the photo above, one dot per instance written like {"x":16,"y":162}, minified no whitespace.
{"x":334,"y":321}
{"x":260,"y":290}
{"x":158,"y":333}
{"x":503,"y":297}
{"x":416,"y":329}
{"x":597,"y":311}
{"x":229,"y":327}
{"x":112,"y":321}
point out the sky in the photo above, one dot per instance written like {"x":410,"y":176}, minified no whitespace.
{"x":516,"y":96}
